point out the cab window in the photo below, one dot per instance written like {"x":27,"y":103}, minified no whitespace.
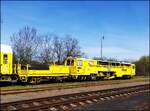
{"x":79,"y":63}
{"x":133,"y":67}
{"x":72,"y":62}
{"x":68,"y":62}
{"x":5,"y":58}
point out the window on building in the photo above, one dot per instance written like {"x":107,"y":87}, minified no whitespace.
{"x":99,"y":62}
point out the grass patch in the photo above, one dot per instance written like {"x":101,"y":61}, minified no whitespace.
{"x":74,"y":84}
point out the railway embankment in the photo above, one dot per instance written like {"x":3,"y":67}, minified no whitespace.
{"x":57,"y":92}
{"x":70,"y":102}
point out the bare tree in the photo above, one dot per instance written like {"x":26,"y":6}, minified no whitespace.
{"x":58,"y":49}
{"x":71,"y":47}
{"x":47,"y":52}
{"x":25,"y":44}
{"x":52,"y":48}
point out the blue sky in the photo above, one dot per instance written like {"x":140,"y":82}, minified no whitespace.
{"x":124,"y":24}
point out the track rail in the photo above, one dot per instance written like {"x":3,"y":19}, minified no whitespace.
{"x":72,"y":101}
{"x":48,"y":88}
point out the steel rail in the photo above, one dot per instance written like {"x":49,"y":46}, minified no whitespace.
{"x":72,"y":101}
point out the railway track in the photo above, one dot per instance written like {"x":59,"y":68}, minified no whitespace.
{"x":17,"y":91}
{"x":55,"y":87}
{"x":72,"y":101}
{"x":36,"y":89}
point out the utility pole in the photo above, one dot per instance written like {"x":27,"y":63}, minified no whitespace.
{"x":102,"y":38}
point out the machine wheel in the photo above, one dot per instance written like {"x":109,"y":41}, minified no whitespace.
{"x":93,"y":77}
{"x":127,"y":77}
{"x":34,"y":80}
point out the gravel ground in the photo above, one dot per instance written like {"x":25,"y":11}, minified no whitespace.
{"x":40,"y":94}
{"x":140,"y":102}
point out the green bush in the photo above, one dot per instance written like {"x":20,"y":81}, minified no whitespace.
{"x":142,"y":65}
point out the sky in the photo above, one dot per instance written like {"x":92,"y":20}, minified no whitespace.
{"x":124,"y":24}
